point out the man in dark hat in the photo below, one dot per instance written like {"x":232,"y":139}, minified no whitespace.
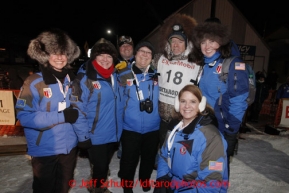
{"x":125,"y":48}
{"x":175,"y":66}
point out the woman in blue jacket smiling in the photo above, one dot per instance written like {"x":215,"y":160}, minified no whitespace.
{"x":97,"y":96}
{"x":141,"y":119}
{"x":43,"y":108}
{"x":228,"y":98}
{"x":193,"y":158}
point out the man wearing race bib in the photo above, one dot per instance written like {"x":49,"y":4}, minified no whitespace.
{"x":175,"y":67}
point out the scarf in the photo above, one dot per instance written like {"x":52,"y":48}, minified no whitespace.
{"x":60,"y":75}
{"x":211,"y":59}
{"x":105,"y":73}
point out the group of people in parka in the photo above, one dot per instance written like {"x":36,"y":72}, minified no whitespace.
{"x":192,"y":134}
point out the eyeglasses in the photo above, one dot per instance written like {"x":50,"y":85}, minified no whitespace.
{"x":145,"y":52}
{"x":126,"y":39}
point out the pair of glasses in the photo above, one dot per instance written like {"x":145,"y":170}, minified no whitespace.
{"x":125,"y":39}
{"x":145,"y":52}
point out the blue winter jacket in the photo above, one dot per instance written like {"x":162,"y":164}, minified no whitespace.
{"x":100,"y":106}
{"x":198,"y":158}
{"x":135,"y":119}
{"x":227,"y":98}
{"x":37,"y":109}
{"x":283,"y":91}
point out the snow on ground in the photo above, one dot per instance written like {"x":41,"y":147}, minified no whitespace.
{"x":260,"y":166}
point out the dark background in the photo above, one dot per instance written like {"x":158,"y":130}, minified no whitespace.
{"x":89,"y":20}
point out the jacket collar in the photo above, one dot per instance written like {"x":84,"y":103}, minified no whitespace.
{"x":200,"y":120}
{"x":49,"y":78}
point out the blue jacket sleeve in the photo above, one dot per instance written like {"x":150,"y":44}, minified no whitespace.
{"x":210,"y":151}
{"x":238,"y":90}
{"x":28,"y":105}
{"x":79,"y":99}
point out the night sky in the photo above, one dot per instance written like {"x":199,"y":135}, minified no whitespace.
{"x":89,"y":21}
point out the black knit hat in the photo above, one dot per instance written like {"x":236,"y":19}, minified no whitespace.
{"x":144,"y":44}
{"x":104,"y":46}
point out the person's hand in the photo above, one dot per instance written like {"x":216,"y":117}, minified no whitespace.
{"x":121,"y":65}
{"x":162,"y":185}
{"x":70,"y":115}
{"x":189,"y":177}
{"x":84,"y":144}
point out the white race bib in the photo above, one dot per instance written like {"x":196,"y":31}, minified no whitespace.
{"x":174,"y":75}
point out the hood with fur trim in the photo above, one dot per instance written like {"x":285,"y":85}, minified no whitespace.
{"x":54,"y":41}
{"x":211,"y":30}
{"x":187,"y":23}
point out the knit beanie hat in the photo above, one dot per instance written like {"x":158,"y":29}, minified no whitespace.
{"x":104,"y":46}
{"x":144,"y":44}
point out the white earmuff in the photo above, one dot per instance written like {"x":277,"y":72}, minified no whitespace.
{"x":202,"y":104}
{"x":177,"y":104}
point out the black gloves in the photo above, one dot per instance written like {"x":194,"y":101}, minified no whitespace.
{"x":162,"y":185}
{"x":70,"y":114}
{"x":190,"y":177}
{"x":84,"y":144}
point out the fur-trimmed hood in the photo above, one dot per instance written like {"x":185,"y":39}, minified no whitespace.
{"x":54,"y":41}
{"x":187,"y":23}
{"x":211,"y":30}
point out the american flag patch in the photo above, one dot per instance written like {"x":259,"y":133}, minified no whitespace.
{"x":214,"y":165}
{"x":240,"y":66}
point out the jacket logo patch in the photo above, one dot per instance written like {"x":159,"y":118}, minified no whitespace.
{"x":129,"y":82}
{"x":216,"y":166}
{"x":188,"y":145}
{"x":183,"y":150}
{"x":219,"y":69}
{"x":20,"y":102}
{"x":96,"y":85}
{"x":47,"y":92}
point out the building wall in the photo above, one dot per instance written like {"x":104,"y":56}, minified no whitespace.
{"x":242,"y":32}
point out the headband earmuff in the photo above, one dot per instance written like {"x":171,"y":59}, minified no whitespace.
{"x":202,"y":104}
